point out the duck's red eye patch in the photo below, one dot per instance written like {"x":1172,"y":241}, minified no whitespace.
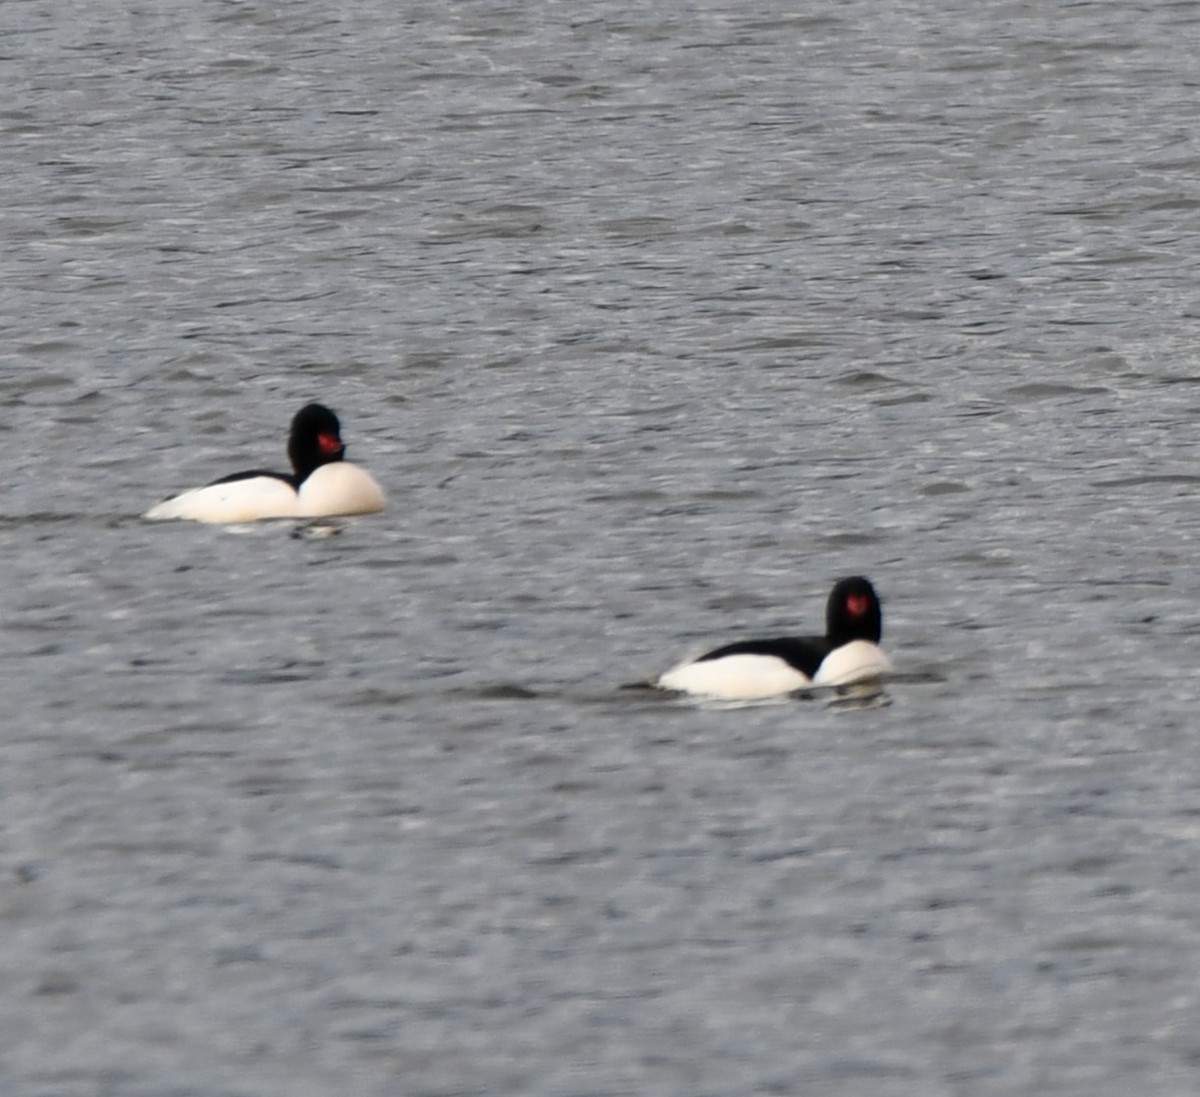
{"x":857,"y":604}
{"x":329,"y":444}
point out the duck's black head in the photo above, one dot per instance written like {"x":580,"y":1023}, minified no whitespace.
{"x":853,"y":613}
{"x":315,"y":440}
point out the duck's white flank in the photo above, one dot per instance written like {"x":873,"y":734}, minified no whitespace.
{"x":330,"y":491}
{"x":231,"y":502}
{"x":740,"y":677}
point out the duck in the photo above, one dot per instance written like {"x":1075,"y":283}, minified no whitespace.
{"x":322,"y":484}
{"x":849,"y":652}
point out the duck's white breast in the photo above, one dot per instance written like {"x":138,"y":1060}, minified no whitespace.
{"x":231,"y":502}
{"x":339,"y":488}
{"x":852,"y":662}
{"x":739,"y":677}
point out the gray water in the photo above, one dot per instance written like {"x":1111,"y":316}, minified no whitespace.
{"x":653,"y":320}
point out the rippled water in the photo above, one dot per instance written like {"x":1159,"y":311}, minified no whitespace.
{"x":653,"y":321}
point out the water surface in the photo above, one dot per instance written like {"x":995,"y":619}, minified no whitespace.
{"x":653,"y":322}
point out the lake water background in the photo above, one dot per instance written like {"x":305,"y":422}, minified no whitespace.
{"x":653,"y":320}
